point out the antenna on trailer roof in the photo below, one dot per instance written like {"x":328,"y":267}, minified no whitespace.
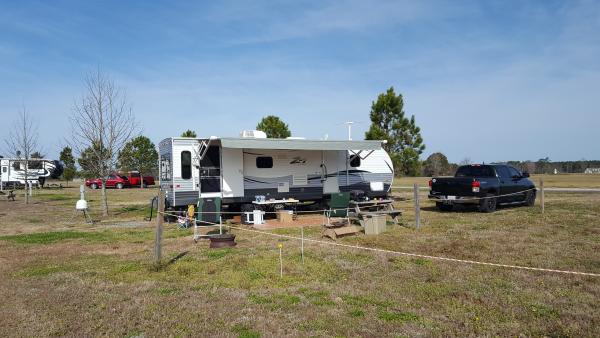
{"x":349,"y":123}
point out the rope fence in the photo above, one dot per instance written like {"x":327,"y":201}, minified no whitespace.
{"x":303,"y":239}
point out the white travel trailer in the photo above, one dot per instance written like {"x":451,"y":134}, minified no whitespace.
{"x":12,"y":171}
{"x":238,"y":169}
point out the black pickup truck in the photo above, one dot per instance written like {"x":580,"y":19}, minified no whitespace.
{"x":483,"y":185}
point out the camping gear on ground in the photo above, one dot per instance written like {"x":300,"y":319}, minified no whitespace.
{"x":276,"y":204}
{"x":254,"y":217}
{"x":374,"y":223}
{"x":209,"y":210}
{"x":208,"y":218}
{"x":338,"y":207}
{"x":285,"y":216}
{"x":222,"y":241}
{"x":338,"y":220}
{"x":375,"y":206}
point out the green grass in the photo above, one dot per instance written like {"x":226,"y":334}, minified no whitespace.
{"x":102,"y":280}
{"x":102,"y":236}
{"x":52,"y":237}
{"x":398,"y":316}
{"x":45,"y":270}
{"x":245,"y":332}
{"x":167,"y":291}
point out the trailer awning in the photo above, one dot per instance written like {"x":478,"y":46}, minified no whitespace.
{"x":298,"y":144}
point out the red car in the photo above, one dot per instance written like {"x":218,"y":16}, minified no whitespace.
{"x":134,"y":179}
{"x":112,"y":181}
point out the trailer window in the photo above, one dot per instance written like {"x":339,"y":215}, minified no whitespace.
{"x":165,"y":167}
{"x":355,"y":161}
{"x":186,"y":165}
{"x":4,"y":169}
{"x":264,"y":162}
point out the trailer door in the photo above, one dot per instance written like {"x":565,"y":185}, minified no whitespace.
{"x":331,"y":170}
{"x":210,"y":173}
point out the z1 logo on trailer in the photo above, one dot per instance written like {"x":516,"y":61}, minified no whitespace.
{"x":298,"y":160}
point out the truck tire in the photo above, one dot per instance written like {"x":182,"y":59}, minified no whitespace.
{"x":444,"y":207}
{"x":488,"y":204}
{"x":94,"y":186}
{"x":119,"y":185}
{"x":530,"y":198}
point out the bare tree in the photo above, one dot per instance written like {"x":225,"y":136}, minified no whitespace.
{"x":465,"y":161}
{"x":22,"y":142}
{"x":101,"y":123}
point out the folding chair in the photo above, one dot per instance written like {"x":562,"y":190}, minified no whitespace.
{"x":338,"y":207}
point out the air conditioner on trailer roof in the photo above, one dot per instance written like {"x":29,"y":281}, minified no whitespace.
{"x":253,"y":134}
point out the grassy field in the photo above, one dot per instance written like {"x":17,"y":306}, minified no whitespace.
{"x":61,"y":276}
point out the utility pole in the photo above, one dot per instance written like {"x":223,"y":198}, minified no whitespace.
{"x":349,"y":123}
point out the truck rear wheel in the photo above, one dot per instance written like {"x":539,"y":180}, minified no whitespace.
{"x":119,"y":185}
{"x":530,"y":198}
{"x":488,"y":204}
{"x":94,"y":186}
{"x":444,"y":207}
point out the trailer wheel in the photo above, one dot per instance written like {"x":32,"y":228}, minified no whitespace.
{"x":94,"y":186}
{"x":488,"y":204}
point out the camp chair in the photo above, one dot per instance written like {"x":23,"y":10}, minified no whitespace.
{"x":338,"y":207}
{"x":185,"y":221}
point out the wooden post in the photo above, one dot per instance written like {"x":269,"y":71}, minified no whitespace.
{"x":542,"y":194}
{"x":417,"y":207}
{"x":159,"y":228}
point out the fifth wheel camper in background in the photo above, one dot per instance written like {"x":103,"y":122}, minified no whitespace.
{"x":12,"y":171}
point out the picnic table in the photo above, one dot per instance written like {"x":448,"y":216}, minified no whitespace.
{"x":375,"y":207}
{"x":257,"y":216}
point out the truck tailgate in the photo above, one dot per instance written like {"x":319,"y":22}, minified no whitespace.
{"x":452,"y":186}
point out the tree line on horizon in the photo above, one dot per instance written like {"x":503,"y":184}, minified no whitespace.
{"x":437,"y":164}
{"x":105,"y":138}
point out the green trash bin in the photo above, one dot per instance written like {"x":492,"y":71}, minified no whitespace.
{"x":209,"y":210}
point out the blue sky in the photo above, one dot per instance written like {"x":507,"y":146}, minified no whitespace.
{"x":488,"y":80}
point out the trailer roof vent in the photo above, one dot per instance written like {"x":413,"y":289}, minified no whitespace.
{"x":253,"y":134}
